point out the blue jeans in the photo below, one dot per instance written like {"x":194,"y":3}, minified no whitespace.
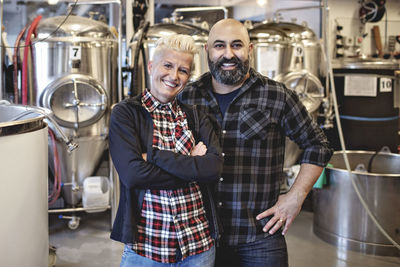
{"x":270,"y":251}
{"x":131,"y":259}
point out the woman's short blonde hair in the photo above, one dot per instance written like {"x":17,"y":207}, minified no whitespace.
{"x":178,"y":42}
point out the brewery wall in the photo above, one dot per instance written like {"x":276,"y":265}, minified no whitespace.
{"x":346,"y":14}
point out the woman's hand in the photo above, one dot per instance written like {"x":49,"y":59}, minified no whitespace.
{"x":199,"y":150}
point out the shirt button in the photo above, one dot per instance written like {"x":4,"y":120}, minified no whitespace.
{"x":223,"y":154}
{"x":224,"y":131}
{"x":221,"y":179}
{"x":220,"y":204}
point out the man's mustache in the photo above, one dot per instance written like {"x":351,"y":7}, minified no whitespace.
{"x":233,"y":60}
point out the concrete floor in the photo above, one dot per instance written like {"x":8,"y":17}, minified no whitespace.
{"x":90,"y":245}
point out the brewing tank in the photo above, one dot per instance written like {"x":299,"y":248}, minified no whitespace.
{"x":75,"y":67}
{"x":285,"y":47}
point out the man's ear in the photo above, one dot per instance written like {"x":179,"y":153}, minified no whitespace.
{"x":251,"y":46}
{"x":206,"y":47}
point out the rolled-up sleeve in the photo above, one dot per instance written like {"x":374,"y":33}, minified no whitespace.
{"x":304,"y":131}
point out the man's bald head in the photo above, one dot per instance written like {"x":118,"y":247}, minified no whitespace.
{"x":228,"y":27}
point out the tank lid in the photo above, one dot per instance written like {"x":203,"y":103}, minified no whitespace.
{"x":158,"y":30}
{"x":72,"y":25}
{"x":364,"y":63}
{"x":267,"y":34}
{"x":18,"y":119}
{"x":294,"y":32}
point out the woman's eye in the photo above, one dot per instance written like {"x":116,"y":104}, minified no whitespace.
{"x":184,"y":71}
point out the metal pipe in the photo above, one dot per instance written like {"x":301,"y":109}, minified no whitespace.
{"x":120,"y":85}
{"x":76,"y":209}
{"x":1,"y":49}
{"x":69,"y":142}
{"x":277,"y":12}
{"x":94,"y":2}
{"x":193,"y":9}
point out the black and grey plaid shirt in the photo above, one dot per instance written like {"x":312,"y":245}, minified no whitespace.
{"x":253,"y":133}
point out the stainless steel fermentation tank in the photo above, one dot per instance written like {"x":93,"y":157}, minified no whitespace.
{"x":290,"y":53}
{"x":147,"y":45}
{"x":340,"y":218}
{"x":76,"y":72}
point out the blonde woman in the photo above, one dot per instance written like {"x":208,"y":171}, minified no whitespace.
{"x":167,"y":155}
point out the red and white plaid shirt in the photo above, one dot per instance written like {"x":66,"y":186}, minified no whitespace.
{"x":171,"y":219}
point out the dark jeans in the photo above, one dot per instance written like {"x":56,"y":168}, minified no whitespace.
{"x":267,"y":252}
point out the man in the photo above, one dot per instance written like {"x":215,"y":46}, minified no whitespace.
{"x":254,"y":114}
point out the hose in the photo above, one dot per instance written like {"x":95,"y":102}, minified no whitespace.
{"x":27,"y":48}
{"x":15,"y":63}
{"x":345,"y":157}
{"x":135,"y":79}
{"x":52,"y":198}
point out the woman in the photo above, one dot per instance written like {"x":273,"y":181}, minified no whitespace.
{"x":166,"y":213}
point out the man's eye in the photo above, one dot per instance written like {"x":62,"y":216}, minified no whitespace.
{"x":218,"y":45}
{"x":237,"y":46}
{"x":167,"y":65}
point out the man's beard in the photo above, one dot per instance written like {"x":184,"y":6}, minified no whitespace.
{"x":229,"y":77}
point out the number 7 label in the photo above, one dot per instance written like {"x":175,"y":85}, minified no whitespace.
{"x":75,"y":52}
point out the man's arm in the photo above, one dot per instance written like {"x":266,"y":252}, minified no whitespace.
{"x":288,"y":205}
{"x":299,"y":127}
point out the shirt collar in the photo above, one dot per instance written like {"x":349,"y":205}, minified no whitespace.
{"x":151,"y":103}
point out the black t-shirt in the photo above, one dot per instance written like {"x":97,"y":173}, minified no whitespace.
{"x":225,"y":99}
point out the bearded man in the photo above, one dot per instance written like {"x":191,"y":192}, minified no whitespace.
{"x":254,"y":115}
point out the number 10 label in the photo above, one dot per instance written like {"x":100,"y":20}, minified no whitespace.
{"x":385,"y":85}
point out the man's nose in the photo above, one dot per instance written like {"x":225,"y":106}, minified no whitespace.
{"x":228,"y":53}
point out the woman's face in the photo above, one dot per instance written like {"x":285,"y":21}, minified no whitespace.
{"x":170,"y":71}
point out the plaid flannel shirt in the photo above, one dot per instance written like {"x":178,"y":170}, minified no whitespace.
{"x":253,"y":133}
{"x":171,"y":219}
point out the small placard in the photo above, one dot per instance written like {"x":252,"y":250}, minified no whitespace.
{"x":298,"y":51}
{"x":75,"y":52}
{"x":385,"y":85}
{"x":358,"y":85}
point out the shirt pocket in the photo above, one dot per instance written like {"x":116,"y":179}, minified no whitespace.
{"x":254,"y":122}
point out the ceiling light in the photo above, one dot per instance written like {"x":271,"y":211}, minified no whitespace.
{"x":52,"y":2}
